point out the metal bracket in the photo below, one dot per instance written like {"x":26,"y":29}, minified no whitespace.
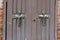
{"x":43,"y":17}
{"x":19,"y":17}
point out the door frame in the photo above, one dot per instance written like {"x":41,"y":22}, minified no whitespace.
{"x":4,"y":20}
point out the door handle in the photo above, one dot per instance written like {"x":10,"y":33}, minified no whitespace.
{"x":20,"y":17}
{"x":43,"y":17}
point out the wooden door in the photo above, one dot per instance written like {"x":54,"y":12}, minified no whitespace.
{"x":32,"y":26}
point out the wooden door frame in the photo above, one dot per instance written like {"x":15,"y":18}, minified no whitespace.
{"x":55,"y":11}
{"x":4,"y":20}
{"x":53,"y":24}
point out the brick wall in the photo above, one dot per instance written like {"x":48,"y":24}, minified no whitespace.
{"x":1,"y":19}
{"x":58,"y":20}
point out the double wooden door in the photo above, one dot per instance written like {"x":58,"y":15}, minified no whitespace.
{"x":29,"y":19}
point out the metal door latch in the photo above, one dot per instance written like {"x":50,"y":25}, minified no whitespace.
{"x":43,"y":17}
{"x":19,"y":17}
